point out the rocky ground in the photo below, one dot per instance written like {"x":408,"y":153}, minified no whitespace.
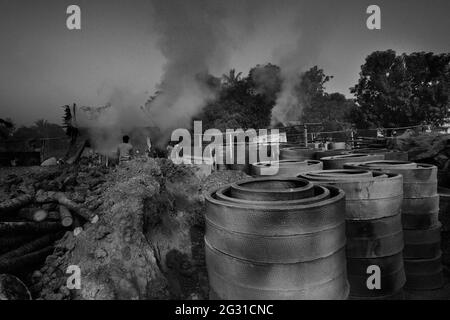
{"x":147,"y":242}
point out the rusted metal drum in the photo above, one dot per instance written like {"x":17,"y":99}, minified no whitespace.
{"x":420,"y":212}
{"x":285,"y":168}
{"x":337,"y":162}
{"x":276,"y":248}
{"x":297,"y":153}
{"x":373,"y":227}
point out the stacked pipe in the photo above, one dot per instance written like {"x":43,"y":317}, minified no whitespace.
{"x":388,"y":154}
{"x":337,"y":162}
{"x":373,"y":228}
{"x":444,"y":218}
{"x":285,"y":168}
{"x":421,"y":227}
{"x":236,"y":156}
{"x":276,"y":238}
{"x":297,"y":153}
{"x":329,"y":153}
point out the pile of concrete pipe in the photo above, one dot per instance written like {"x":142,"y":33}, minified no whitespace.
{"x":421,"y":226}
{"x":337,"y":162}
{"x":373,"y":229}
{"x":297,"y":153}
{"x":444,"y":218}
{"x":294,"y":160}
{"x":276,"y":238}
{"x":283,"y":237}
{"x":388,"y":154}
{"x":285,"y":168}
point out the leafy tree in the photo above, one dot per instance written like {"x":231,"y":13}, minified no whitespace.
{"x":329,"y":109}
{"x":7,"y":127}
{"x":69,"y":123}
{"x":402,"y":90}
{"x":232,"y":78}
{"x":244,"y":102}
{"x":311,"y":85}
{"x":40,"y":129}
{"x":265,"y":80}
{"x":317,"y":105}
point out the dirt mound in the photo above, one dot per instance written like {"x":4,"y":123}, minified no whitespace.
{"x":148,"y":242}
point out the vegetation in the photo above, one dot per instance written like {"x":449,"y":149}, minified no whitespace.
{"x":393,"y":90}
{"x":402,"y":90}
{"x":331,"y":110}
{"x":40,"y":129}
{"x":247,"y":102}
{"x":6,"y":128}
{"x":243,"y":102}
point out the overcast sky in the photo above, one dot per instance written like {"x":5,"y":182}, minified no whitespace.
{"x":43,"y":65}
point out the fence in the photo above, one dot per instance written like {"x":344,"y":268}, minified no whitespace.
{"x":13,"y":149}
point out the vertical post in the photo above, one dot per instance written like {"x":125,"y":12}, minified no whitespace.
{"x":352,"y":137}
{"x":41,"y":150}
{"x":305,"y":132}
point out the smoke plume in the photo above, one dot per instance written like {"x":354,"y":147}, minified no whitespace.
{"x":198,"y":37}
{"x":312,"y":24}
{"x":193,"y":38}
{"x":106,"y":124}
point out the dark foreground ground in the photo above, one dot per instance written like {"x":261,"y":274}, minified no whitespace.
{"x":148,"y":242}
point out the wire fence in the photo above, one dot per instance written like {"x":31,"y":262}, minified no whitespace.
{"x":295,"y":134}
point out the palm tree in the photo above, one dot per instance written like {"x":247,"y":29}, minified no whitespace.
{"x":231,"y":78}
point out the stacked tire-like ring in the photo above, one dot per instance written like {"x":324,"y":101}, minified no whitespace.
{"x":285,"y":168}
{"x":276,"y":238}
{"x":421,"y":227}
{"x":337,"y":162}
{"x":373,"y":228}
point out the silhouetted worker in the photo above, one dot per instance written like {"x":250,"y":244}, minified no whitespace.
{"x":125,"y":149}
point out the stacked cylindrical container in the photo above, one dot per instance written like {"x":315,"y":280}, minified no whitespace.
{"x":421,"y":227}
{"x":373,"y":229}
{"x":276,"y":238}
{"x":337,"y":162}
{"x":388,"y":154}
{"x":297,"y":153}
{"x":329,"y":153}
{"x":444,"y":218}
{"x":285,"y":168}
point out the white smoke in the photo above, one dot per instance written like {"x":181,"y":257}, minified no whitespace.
{"x":312,"y":23}
{"x":197,"y":37}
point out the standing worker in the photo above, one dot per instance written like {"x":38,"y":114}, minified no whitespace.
{"x":169,"y":150}
{"x":124,"y":150}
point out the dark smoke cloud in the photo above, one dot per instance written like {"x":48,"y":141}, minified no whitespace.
{"x":193,"y":38}
{"x":199,"y":37}
{"x":312,"y":22}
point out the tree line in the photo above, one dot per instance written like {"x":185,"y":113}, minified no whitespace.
{"x":392,"y":90}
